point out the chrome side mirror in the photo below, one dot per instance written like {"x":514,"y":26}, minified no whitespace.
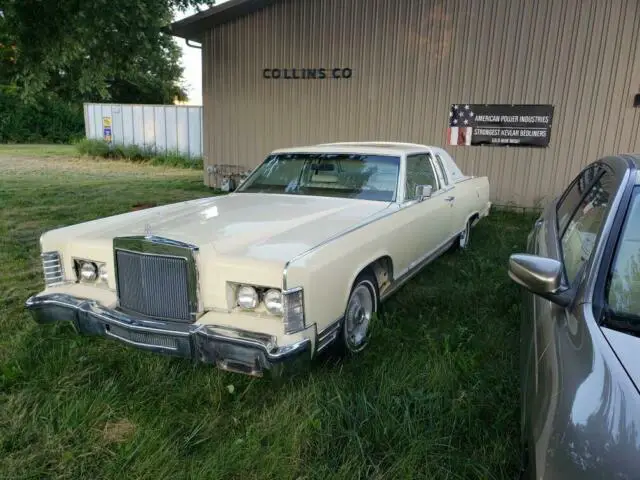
{"x":423,"y":191}
{"x":540,"y":275}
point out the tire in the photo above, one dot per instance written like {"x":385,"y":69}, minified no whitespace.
{"x":362,"y":304}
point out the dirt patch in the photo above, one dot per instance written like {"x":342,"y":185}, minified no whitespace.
{"x":20,"y":165}
{"x":118,"y":431}
{"x":142,"y":206}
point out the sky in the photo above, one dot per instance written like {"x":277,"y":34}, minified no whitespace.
{"x":192,"y":63}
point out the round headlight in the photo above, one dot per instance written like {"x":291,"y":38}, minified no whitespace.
{"x":88,"y":272}
{"x":273,"y":301}
{"x":247,"y":297}
{"x":102,"y":273}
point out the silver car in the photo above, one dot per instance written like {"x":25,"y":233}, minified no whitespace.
{"x":580,"y":336}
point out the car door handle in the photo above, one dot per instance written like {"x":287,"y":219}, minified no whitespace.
{"x":449,"y":199}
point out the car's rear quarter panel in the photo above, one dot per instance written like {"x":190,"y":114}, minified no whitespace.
{"x":471,"y":198}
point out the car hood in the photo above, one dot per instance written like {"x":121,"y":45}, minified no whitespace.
{"x":627,"y":349}
{"x":264,"y":226}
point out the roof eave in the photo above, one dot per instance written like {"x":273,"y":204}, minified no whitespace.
{"x":193,"y":27}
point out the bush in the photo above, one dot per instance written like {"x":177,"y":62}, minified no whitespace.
{"x":92,"y":148}
{"x":135,"y":153}
{"x":47,"y":120}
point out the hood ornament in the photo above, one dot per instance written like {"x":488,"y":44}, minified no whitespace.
{"x":147,"y":231}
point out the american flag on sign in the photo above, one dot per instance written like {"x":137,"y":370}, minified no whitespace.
{"x":461,"y":119}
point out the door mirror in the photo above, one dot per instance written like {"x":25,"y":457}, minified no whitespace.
{"x":423,"y":191}
{"x":539,"y":275}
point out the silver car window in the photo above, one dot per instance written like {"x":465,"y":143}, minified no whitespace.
{"x":573,"y":195}
{"x":623,"y":297}
{"x":582,"y":229}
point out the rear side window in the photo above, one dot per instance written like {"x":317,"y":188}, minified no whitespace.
{"x":578,"y":240}
{"x":573,"y":195}
{"x":442,"y":172}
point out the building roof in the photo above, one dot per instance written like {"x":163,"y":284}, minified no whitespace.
{"x":193,"y":27}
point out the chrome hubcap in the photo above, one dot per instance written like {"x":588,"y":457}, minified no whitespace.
{"x":359,"y":312}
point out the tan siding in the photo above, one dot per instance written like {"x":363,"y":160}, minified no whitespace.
{"x":413,"y":59}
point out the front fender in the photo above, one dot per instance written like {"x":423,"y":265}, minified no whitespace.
{"x":327,"y":273}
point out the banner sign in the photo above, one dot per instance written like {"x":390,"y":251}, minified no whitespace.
{"x":106,"y":129}
{"x":516,"y":125}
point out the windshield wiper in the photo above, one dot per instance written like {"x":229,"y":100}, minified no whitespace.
{"x":621,"y":321}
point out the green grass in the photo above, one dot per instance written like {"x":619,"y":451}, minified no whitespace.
{"x":36,"y":150}
{"x":434,"y":396}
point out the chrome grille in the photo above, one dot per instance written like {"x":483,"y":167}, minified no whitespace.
{"x":142,"y":338}
{"x":52,"y":268}
{"x":153,"y":285}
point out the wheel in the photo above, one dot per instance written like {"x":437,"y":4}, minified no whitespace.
{"x":465,"y":236}
{"x":362,"y":304}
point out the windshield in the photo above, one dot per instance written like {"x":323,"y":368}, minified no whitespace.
{"x":623,"y":294}
{"x":367,"y":177}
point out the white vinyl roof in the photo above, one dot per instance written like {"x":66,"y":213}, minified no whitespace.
{"x":369,"y":148}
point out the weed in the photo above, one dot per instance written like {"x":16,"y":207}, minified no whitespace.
{"x":135,"y":153}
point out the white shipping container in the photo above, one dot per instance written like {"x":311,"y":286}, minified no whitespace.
{"x":165,"y":128}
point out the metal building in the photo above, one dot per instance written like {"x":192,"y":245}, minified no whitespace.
{"x":394,"y":70}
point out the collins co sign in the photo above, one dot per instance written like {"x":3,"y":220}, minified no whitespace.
{"x":516,"y":125}
{"x":306,"y":73}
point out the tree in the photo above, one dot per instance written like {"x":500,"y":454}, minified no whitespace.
{"x":98,"y":50}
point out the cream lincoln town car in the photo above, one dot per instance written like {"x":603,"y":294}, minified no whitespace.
{"x":299,"y":256}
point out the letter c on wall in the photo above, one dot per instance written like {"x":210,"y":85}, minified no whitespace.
{"x":265,"y":73}
{"x":335,"y":73}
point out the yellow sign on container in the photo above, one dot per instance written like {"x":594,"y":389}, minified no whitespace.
{"x":106,"y":129}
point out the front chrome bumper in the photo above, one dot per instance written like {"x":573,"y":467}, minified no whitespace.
{"x":230,"y":349}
